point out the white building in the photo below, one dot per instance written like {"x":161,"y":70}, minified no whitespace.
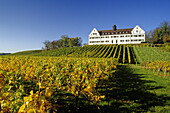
{"x":134,"y":35}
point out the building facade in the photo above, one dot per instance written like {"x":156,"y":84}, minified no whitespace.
{"x":134,"y":35}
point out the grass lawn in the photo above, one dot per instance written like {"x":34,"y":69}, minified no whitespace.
{"x":157,"y":85}
{"x":133,"y":89}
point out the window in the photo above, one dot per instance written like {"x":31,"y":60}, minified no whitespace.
{"x":121,"y":40}
{"x":107,"y":41}
{"x":94,"y":33}
{"x":127,"y":40}
{"x":134,"y":40}
{"x":102,"y":41}
{"x":121,"y":36}
{"x":137,"y":31}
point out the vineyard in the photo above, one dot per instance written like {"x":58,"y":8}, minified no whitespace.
{"x":67,"y":79}
{"x":151,"y":57}
{"x":123,"y":54}
{"x":33,"y":83}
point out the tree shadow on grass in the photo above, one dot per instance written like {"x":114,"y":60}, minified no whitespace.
{"x":128,"y":92}
{"x":125,"y":91}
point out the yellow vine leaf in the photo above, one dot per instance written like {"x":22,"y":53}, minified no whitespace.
{"x":27,"y":99}
{"x":48,"y":92}
{"x":31,"y":111}
{"x":31,"y":92}
{"x":102,"y":96}
{"x":40,"y":85}
{"x":42,"y":108}
{"x":21,"y":109}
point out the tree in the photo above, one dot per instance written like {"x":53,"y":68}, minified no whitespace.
{"x":65,"y":41}
{"x":59,"y":43}
{"x":165,"y":31}
{"x":149,"y":36}
{"x":53,"y":45}
{"x":71,"y":42}
{"x":166,"y":39}
{"x":79,"y":42}
{"x":47,"y":44}
{"x":162,"y":33}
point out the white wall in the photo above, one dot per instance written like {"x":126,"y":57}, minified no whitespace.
{"x":137,"y":34}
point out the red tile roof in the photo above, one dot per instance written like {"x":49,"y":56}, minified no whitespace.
{"x":118,"y":31}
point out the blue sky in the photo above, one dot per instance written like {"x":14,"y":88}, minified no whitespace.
{"x":25,"y":24}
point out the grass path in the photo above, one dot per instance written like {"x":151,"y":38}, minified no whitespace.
{"x":133,"y":89}
{"x":155,"y":85}
{"x":158,"y":80}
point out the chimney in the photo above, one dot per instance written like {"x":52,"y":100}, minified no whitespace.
{"x":114,"y":28}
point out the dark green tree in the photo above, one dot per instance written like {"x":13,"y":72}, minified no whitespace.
{"x":65,"y":41}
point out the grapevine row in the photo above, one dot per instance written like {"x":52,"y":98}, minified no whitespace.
{"x":37,"y":79}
